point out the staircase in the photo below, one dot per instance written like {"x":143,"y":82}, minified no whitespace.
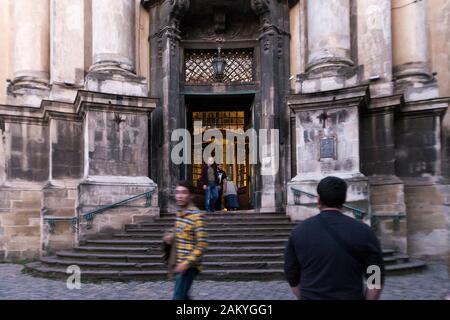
{"x":242,"y":246}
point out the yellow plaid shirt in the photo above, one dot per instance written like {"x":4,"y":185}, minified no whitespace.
{"x":191,"y":236}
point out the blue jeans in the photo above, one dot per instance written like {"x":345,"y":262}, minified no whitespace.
{"x":211,"y":196}
{"x":183,"y":283}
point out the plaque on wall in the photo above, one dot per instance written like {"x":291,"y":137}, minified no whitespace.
{"x":328,"y":148}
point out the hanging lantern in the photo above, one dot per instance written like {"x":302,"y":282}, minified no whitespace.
{"x":219,"y":66}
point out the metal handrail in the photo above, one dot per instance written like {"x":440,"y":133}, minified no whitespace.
{"x":89,"y":216}
{"x":357,"y":212}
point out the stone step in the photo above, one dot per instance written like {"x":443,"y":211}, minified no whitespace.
{"x":400,"y":268}
{"x":396,"y":258}
{"x":146,"y":275}
{"x":157,"y":243}
{"x":238,"y":214}
{"x":157,"y":257}
{"x":56,"y":271}
{"x":211,"y":219}
{"x":210,"y":230}
{"x":158,"y":236}
{"x":93,"y":265}
{"x":69,"y":255}
{"x":230,"y":224}
{"x":147,"y":250}
{"x":388,"y":252}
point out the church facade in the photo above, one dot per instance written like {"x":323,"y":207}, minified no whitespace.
{"x":91,"y":93}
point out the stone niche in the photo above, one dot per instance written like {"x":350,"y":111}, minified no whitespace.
{"x":328,"y":144}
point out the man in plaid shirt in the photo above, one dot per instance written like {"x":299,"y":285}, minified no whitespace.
{"x":190,"y":240}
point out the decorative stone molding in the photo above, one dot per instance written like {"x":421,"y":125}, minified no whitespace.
{"x":262,"y":8}
{"x":177,"y":11}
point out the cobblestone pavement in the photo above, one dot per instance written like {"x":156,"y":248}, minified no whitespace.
{"x":433,"y":283}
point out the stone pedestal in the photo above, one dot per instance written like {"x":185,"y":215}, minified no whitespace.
{"x":95,"y":192}
{"x":328,"y":139}
{"x":388,"y":209}
{"x":115,"y":160}
{"x":378,"y":163}
{"x":427,"y":203}
{"x":418,"y":164}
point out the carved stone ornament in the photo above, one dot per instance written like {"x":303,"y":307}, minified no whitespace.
{"x":177,"y":11}
{"x":262,"y":9}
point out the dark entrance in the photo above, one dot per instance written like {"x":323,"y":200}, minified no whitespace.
{"x":188,"y":38}
{"x":225,"y":113}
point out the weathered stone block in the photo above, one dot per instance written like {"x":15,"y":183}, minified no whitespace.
{"x":35,"y":204}
{"x":8,"y":220}
{"x":23,"y":231}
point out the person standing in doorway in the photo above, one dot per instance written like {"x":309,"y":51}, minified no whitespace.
{"x":210,"y":183}
{"x":190,"y":241}
{"x":222,"y":178}
{"x":328,"y":255}
{"x":231,"y":196}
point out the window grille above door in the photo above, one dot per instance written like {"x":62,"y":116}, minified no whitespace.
{"x":199,"y":66}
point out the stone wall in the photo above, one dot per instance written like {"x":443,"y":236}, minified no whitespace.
{"x":92,"y":195}
{"x":118,"y":151}
{"x":20,"y":222}
{"x":428,"y":210}
{"x":388,"y":210}
{"x":28,"y":151}
{"x":59,"y":201}
{"x":418,"y":146}
{"x":67,"y":149}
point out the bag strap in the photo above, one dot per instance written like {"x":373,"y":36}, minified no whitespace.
{"x":350,"y":251}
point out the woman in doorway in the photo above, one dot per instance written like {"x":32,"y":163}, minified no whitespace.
{"x":230,"y":196}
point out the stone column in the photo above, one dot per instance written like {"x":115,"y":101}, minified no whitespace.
{"x":113,"y":35}
{"x":329,"y":41}
{"x":31,"y":45}
{"x":113,"y":49}
{"x":67,"y":55}
{"x":410,"y":40}
{"x":374,"y":41}
{"x":271,"y":117}
{"x":165,"y":75}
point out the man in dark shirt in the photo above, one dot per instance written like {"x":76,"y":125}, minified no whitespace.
{"x":329,"y":255}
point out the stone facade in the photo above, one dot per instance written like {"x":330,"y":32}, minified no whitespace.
{"x":86,"y":119}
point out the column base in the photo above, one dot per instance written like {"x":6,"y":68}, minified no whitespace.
{"x":116,"y":82}
{"x":416,"y":91}
{"x":346,"y":77}
{"x":28,"y":91}
{"x":329,"y":67}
